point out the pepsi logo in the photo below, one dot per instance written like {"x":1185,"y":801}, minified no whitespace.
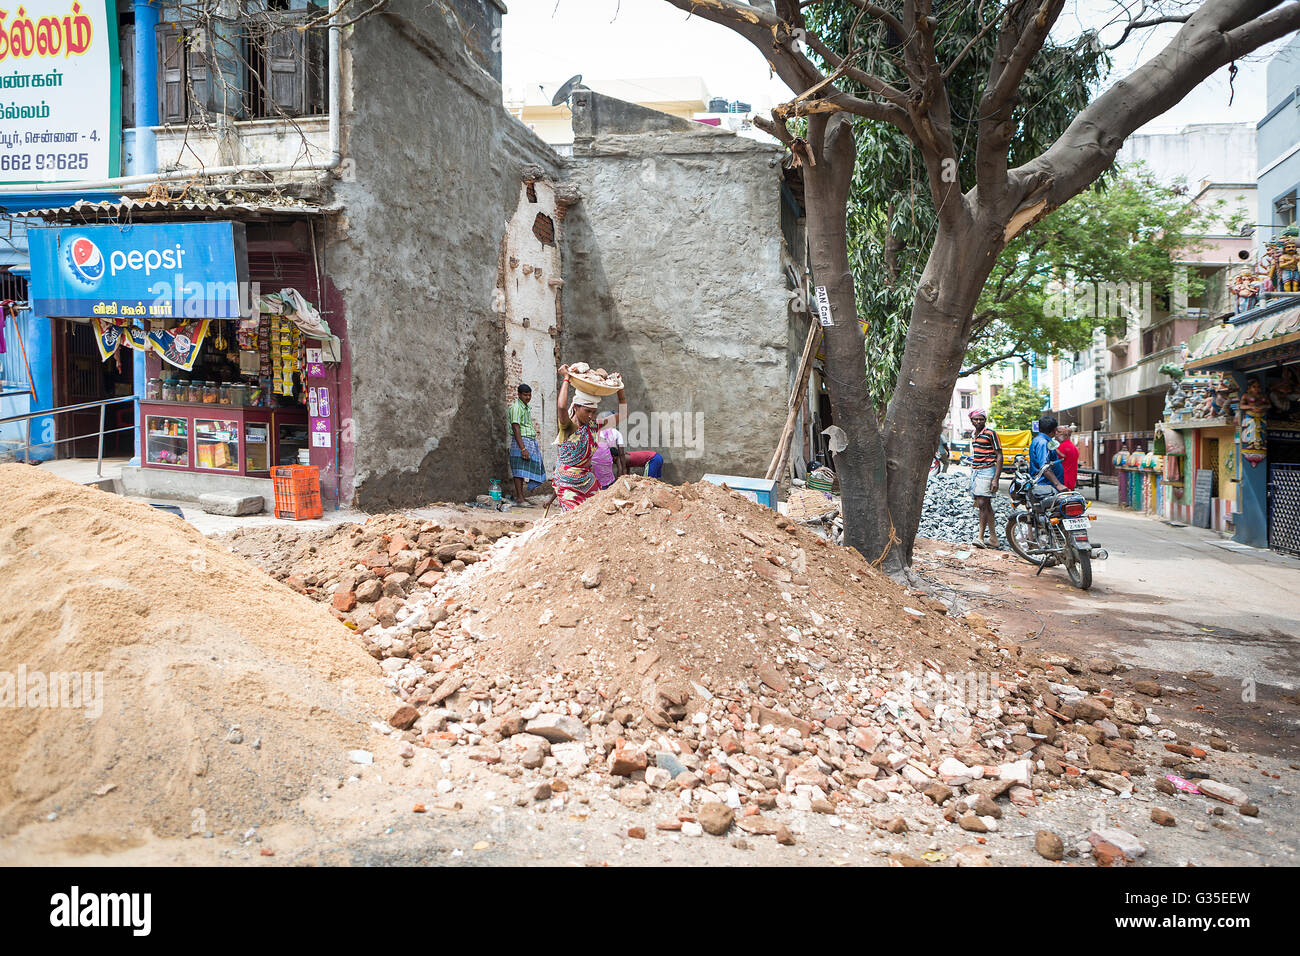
{"x":85,"y":260}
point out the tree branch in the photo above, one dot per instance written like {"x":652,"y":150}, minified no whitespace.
{"x":980,"y":366}
{"x":1020,"y":39}
{"x":1143,"y":24}
{"x":771,"y":35}
{"x":884,"y":16}
{"x":843,"y":66}
{"x":975,"y":39}
{"x":1217,"y":33}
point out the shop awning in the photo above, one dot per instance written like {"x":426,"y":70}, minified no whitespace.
{"x":1222,"y":346}
{"x":149,"y":210}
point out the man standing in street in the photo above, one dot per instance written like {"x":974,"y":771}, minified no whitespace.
{"x":1069,"y":454}
{"x":1041,"y":454}
{"x":526,"y":465}
{"x":985,"y":466}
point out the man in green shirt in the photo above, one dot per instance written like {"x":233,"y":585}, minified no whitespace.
{"x":526,"y":465}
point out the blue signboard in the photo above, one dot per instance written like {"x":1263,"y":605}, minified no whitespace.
{"x":162,"y":272}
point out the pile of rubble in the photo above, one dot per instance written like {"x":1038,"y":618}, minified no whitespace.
{"x":948,"y":513}
{"x":368,"y":571}
{"x":685,"y":642}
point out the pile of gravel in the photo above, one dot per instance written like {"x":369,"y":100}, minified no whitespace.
{"x":949,"y":511}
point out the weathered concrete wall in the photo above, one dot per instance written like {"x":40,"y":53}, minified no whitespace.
{"x":479,"y":22}
{"x":674,"y":279}
{"x":415,"y":252}
{"x":531,"y":282}
{"x":304,"y":139}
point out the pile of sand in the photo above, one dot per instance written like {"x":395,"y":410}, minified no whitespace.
{"x":198,"y":654}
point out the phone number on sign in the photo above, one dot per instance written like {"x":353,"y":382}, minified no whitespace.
{"x":43,"y":161}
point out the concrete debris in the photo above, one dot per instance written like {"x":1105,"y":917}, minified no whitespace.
{"x":1222,"y":791}
{"x":1048,"y":845}
{"x":1110,"y":845}
{"x":745,"y":697}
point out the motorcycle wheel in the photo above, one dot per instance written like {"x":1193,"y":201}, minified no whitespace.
{"x":1078,"y":564}
{"x":1020,"y":534}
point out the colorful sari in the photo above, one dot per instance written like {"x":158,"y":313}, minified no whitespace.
{"x":574,"y":481}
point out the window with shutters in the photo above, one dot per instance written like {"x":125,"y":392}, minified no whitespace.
{"x":126,"y":55}
{"x":201,"y":70}
{"x":271,"y":62}
{"x":287,"y":54}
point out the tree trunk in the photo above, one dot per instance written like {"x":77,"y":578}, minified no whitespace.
{"x":959,"y":263}
{"x":860,"y":467}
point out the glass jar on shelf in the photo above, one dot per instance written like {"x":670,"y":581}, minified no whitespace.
{"x":209,"y":393}
{"x":223,"y":394}
{"x":153,"y":391}
{"x":168,"y":391}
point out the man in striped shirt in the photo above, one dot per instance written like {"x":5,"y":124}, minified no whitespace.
{"x":985,"y":466}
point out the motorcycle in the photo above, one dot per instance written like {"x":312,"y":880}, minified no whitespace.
{"x":1052,"y":529}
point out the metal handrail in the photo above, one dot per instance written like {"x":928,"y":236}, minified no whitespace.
{"x":66,"y":408}
{"x":101,"y":405}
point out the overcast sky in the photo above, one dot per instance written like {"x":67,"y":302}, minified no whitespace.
{"x":546,"y":41}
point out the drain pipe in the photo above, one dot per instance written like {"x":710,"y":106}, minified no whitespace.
{"x":335,"y":158}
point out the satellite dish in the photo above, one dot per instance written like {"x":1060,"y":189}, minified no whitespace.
{"x":564,"y":92}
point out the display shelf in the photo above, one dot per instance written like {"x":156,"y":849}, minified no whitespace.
{"x":167,"y":441}
{"x":216,"y":444}
{"x":221,"y":439}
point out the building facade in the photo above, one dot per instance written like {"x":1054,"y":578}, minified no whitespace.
{"x":1116,"y":391}
{"x":1279,"y":146}
{"x":450,"y":252}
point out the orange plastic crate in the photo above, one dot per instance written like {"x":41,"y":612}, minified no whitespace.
{"x":297,"y":492}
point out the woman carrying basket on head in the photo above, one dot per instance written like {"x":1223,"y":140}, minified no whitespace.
{"x":576,"y":438}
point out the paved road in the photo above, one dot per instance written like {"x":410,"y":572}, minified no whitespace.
{"x":1184,"y":599}
{"x":1180,"y":604}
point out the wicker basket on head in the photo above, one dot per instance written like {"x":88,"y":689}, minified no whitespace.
{"x":589,"y":385}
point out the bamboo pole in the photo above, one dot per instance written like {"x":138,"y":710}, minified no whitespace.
{"x":796,"y":400}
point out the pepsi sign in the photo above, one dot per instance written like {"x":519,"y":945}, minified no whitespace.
{"x":155,"y":271}
{"x":85,"y":262}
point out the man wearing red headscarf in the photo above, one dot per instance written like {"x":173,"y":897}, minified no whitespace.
{"x":985,"y":466}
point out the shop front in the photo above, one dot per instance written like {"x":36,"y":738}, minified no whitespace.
{"x":236,"y":381}
{"x":1198,"y":441}
{"x":1257,"y":356}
